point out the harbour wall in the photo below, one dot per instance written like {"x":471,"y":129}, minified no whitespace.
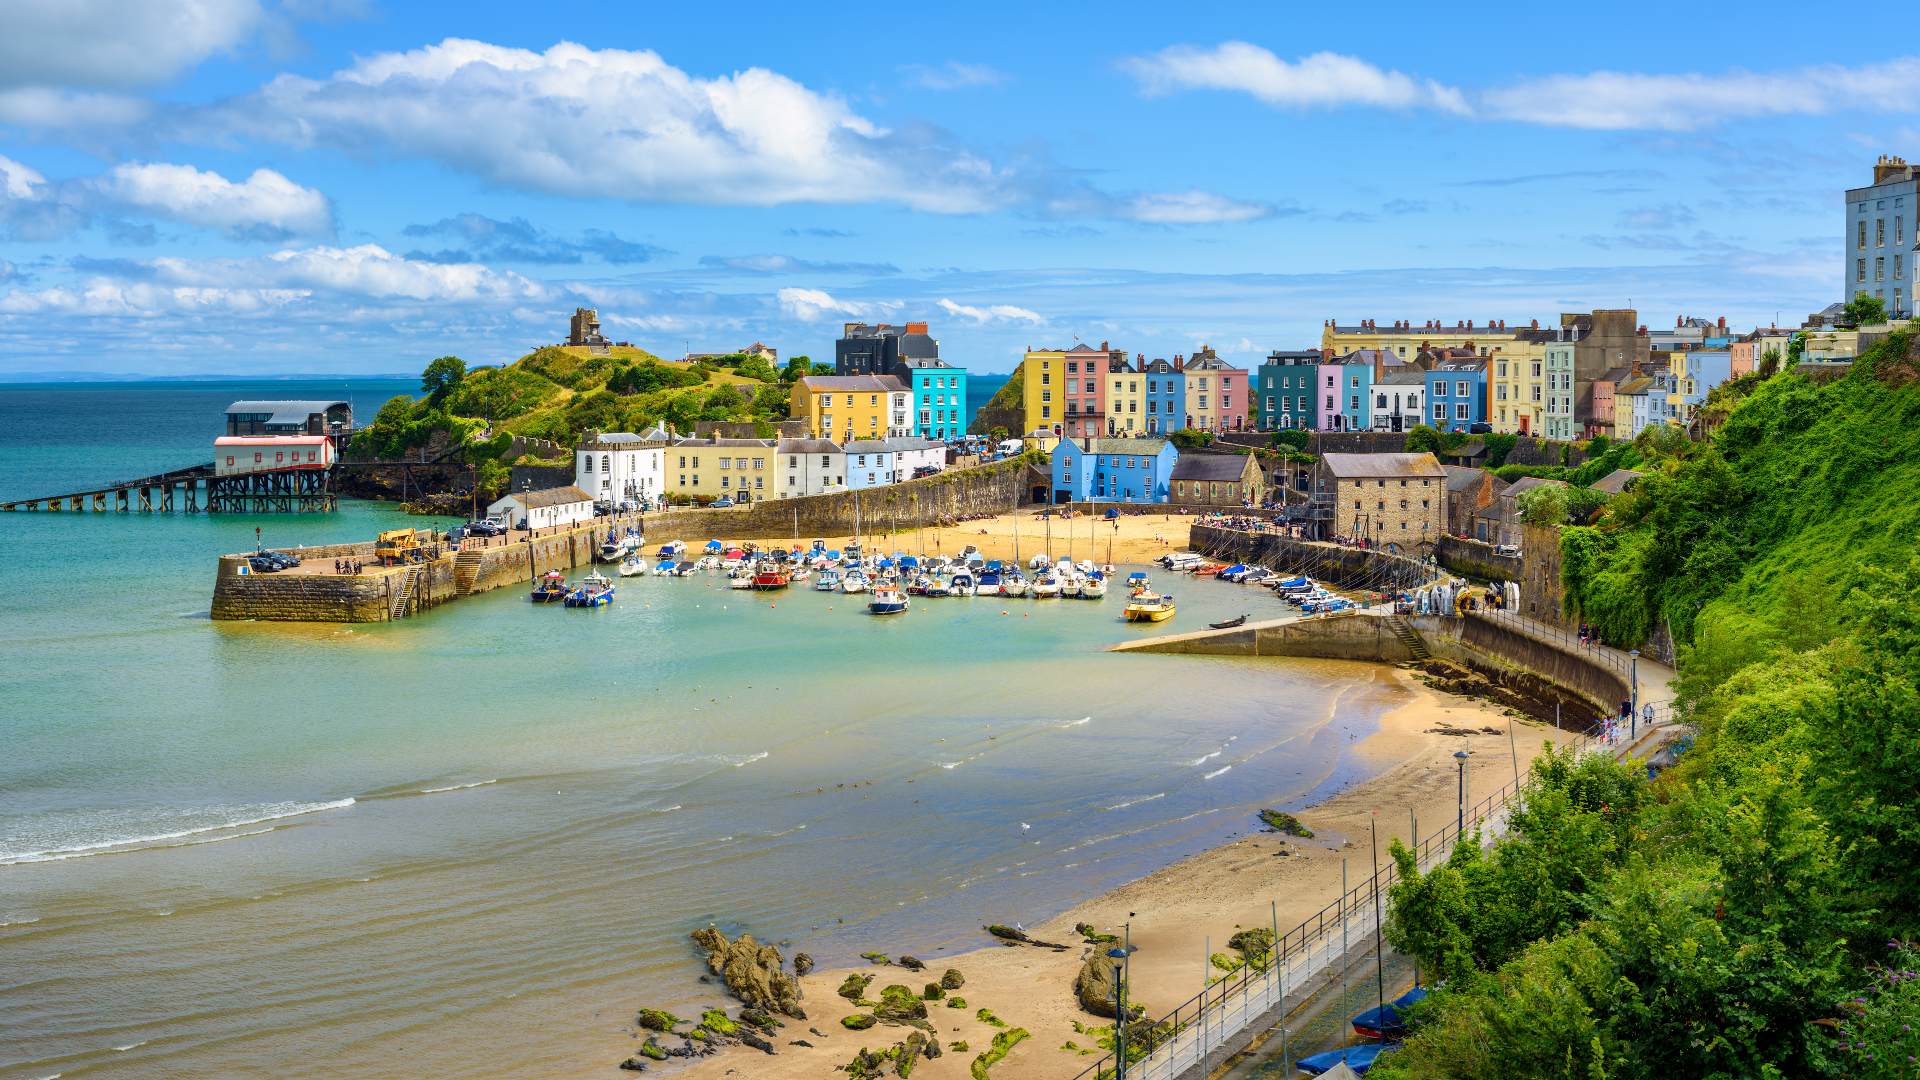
{"x":1352,"y":568}
{"x":1475,"y":559}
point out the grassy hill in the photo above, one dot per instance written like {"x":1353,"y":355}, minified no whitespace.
{"x":1006,"y":409}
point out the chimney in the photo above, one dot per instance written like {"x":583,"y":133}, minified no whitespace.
{"x":1469,"y":324}
{"x":1179,"y":362}
{"x":1536,"y":324}
{"x":916,"y":328}
{"x":1888,"y":167}
{"x":1103,"y":347}
{"x":1679,"y":322}
{"x":1723,"y":322}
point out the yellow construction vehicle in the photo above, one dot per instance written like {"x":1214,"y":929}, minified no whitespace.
{"x":397,"y":546}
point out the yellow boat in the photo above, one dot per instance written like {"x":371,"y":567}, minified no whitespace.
{"x":1149,"y":607}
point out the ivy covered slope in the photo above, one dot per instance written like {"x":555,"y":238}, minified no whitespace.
{"x":1749,"y":913}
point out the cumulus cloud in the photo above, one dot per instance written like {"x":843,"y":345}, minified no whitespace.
{"x":517,"y":240}
{"x":954,"y":75}
{"x":265,"y":205}
{"x":51,"y":107}
{"x":1321,"y":80}
{"x":109,"y":43}
{"x":812,"y":305}
{"x":992,"y":313}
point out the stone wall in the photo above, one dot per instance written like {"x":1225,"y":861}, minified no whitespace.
{"x":1335,"y":637}
{"x":1473,"y":559}
{"x":1541,"y":593}
{"x":539,"y":477}
{"x":1478,"y":642}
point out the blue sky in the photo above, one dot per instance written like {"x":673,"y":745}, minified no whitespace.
{"x":358,"y":186}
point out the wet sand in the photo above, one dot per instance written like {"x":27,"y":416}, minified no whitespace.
{"x":1177,"y":911}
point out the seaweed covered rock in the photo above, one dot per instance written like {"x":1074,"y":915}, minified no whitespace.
{"x":912,"y":963}
{"x":752,"y":972}
{"x":867,"y":1064}
{"x":1253,"y":944}
{"x":933,"y":992}
{"x":952,"y":980}
{"x":1282,"y":822}
{"x":756,"y":1040}
{"x":854,"y":987}
{"x":1093,"y":986}
{"x":1003,"y":1042}
{"x":759,"y":1018}
{"x":1094,"y":937}
{"x":634,"y":1064}
{"x":1017,"y":936}
{"x":858,"y":1022}
{"x":908,"y":1052}
{"x":898,"y":1005}
{"x":802,"y":963}
{"x":658,"y":1020}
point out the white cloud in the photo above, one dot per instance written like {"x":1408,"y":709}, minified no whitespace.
{"x":1324,"y":79}
{"x":1686,"y":101}
{"x":1190,"y":208}
{"x":47,"y":107}
{"x":17,"y":181}
{"x":954,"y":75}
{"x":106,"y":297}
{"x":990,"y":313}
{"x":114,"y":43}
{"x":371,"y":270}
{"x":812,"y":305}
{"x":612,"y":123}
{"x":265,"y":202}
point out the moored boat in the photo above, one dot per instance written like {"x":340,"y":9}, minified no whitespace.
{"x":1138,"y":581}
{"x":551,"y":587}
{"x":770,"y":576}
{"x":887,"y":600}
{"x":1046,"y":586}
{"x":632,"y":566}
{"x":1149,"y":607}
{"x":1229,"y":624}
{"x":1014,"y":584}
{"x":594,"y":590}
{"x":855,"y":580}
{"x":828,"y":581}
{"x":672,"y":549}
{"x":1095,"y":587}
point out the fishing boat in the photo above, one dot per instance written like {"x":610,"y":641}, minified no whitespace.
{"x":887,"y":600}
{"x":551,"y":587}
{"x":1229,"y":623}
{"x":1149,"y":607}
{"x":828,"y":581}
{"x":594,"y":590}
{"x":1095,"y":587}
{"x":962,"y":583}
{"x":855,"y":580}
{"x":611,"y":549}
{"x":938,"y":584}
{"x":770,"y":576}
{"x":1359,"y":1058}
{"x":632,"y":566}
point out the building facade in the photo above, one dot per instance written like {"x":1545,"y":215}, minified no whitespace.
{"x":1399,"y":399}
{"x":1283,"y":389}
{"x":810,"y":467}
{"x":1355,"y":395}
{"x":1065,"y":389}
{"x":1137,"y":470}
{"x":1126,"y":399}
{"x":1215,"y":392}
{"x":1215,"y":480}
{"x":1557,"y":362}
{"x":1695,"y":374}
{"x":880,"y":348}
{"x":1457,"y":393}
{"x":1405,"y":340}
{"x":620,"y":467}
{"x":745,"y":470}
{"x":939,"y":399}
{"x":1164,"y":395}
{"x":1878,"y":236}
{"x":543,"y":509}
{"x":1395,"y":500}
{"x":847,"y":407}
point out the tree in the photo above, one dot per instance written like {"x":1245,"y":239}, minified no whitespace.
{"x":1290,"y":439}
{"x":1866,"y":310}
{"x":1424,"y":439}
{"x":1769,"y":363}
{"x":821,"y":369}
{"x":797,"y":368}
{"x":442,"y":377}
{"x":1191,"y":439}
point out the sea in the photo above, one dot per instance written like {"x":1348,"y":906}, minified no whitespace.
{"x":477,"y":840}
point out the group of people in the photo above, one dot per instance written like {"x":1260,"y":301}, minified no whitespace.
{"x":346,"y":566}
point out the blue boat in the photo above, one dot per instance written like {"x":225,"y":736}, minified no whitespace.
{"x":593,"y":591}
{"x":1358,"y":1058}
{"x":1388,"y":1021}
{"x":887,"y":600}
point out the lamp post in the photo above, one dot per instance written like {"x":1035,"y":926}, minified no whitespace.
{"x":1461,"y":757}
{"x":1119,"y":954}
{"x":1633,"y":698}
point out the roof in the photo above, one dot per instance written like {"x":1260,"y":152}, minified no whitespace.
{"x":1209,"y":363}
{"x":1616,"y":481}
{"x":883,"y":384}
{"x":808,"y":446}
{"x":559,"y":496}
{"x":910,"y":442}
{"x":867,"y":446}
{"x":1371,"y":466}
{"x":1639,"y":384}
{"x":1464,"y":477}
{"x":625,"y":440}
{"x":723,"y":444}
{"x":1528,"y":483}
{"x":285,"y":412}
{"x":1142,"y":446}
{"x":1617,"y":375}
{"x":1198,"y":466}
{"x":1408,"y":375}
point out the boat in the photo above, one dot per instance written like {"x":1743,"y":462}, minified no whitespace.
{"x":855,"y":580}
{"x":1388,"y":1021}
{"x":801,"y":572}
{"x":1138,"y":581}
{"x":1232,"y":573}
{"x":887,"y":600}
{"x":685,"y":568}
{"x":632,"y":566}
{"x":740,"y":577}
{"x":672,"y":549}
{"x":663,"y":568}
{"x":611,"y":549}
{"x":1149,"y":607}
{"x":1095,"y":587}
{"x":1229,"y":624}
{"x":707,"y":562}
{"x":937,"y":585}
{"x":962,"y":583}
{"x":1039,"y":562}
{"x":1014,"y":585}
{"x":551,"y":587}
{"x":1359,"y":1058}
{"x":988,"y":583}
{"x":1046,"y":586}
{"x":828,"y":581}
{"x":594,"y":590}
{"x":771,"y":576}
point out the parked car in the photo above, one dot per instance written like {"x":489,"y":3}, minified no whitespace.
{"x":925,"y":470}
{"x":271,"y":562}
{"x":1508,"y":549}
{"x":484,"y":527}
{"x":721,"y":503}
{"x":1480,"y":428}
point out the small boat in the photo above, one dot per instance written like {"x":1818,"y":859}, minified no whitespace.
{"x":1046,"y":587}
{"x":672,"y":549}
{"x":1149,"y":607}
{"x":1359,"y":1058}
{"x":740,"y":578}
{"x":828,"y":581}
{"x":1137,"y":581}
{"x":662,"y":568}
{"x":855,"y":580}
{"x":1229,"y":624}
{"x":1095,"y":587}
{"x":611,"y":549}
{"x":988,"y":583}
{"x":1039,"y":562}
{"x":685,"y":568}
{"x":707,"y":562}
{"x":552,"y":587}
{"x":594,"y":590}
{"x":962,"y":583}
{"x":887,"y":600}
{"x":1388,"y":1021}
{"x":1014,"y":585}
{"x":801,"y":572}
{"x":1232,"y":573}
{"x":632,"y":566}
{"x":771,"y":576}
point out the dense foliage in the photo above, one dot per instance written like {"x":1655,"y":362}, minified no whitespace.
{"x":1746,"y":914}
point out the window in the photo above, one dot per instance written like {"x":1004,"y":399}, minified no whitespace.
{"x":723,"y":481}
{"x":1536,"y":369}
{"x":606,"y":465}
{"x":1899,"y":229}
{"x":758,"y":485}
{"x":258,"y":457}
{"x":1459,"y":389}
{"x":1879,"y":232}
{"x":758,"y":463}
{"x":1899,"y":266}
{"x":1862,"y":240}
{"x":1439,"y":411}
{"x":1859,"y":269}
{"x":1879,"y":267}
{"x":1460,"y":411}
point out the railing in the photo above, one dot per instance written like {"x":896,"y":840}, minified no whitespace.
{"x":1197,"y":1027}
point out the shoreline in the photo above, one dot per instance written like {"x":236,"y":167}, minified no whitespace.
{"x":1181,"y":910}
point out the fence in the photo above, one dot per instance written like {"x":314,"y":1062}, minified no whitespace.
{"x":1184,"y":1038}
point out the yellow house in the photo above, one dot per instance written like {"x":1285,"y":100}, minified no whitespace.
{"x":742,"y":469}
{"x":1125,"y":402}
{"x":846,"y":407}
{"x":1403,"y":339}
{"x":1065,"y":390}
{"x":1516,"y":386}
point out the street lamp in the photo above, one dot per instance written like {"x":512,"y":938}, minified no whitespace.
{"x":1633,"y":698}
{"x":1119,"y":954}
{"x":1461,"y":757}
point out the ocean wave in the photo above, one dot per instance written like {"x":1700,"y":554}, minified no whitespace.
{"x":1138,"y":801}
{"x":1202,"y":760}
{"x":761,"y":756}
{"x":1077,"y":723}
{"x":1217,"y":772}
{"x":253,"y":815}
{"x":130,"y":1046}
{"x":457,"y":787}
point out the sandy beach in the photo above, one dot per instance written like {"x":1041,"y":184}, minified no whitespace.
{"x":1138,"y":538}
{"x":1177,"y":909}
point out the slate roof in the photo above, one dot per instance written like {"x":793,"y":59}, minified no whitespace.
{"x":1526,"y":484}
{"x":1463,"y":477}
{"x":284,"y":412}
{"x":1196,"y":466}
{"x":559,"y":496}
{"x":1383,"y":466}
{"x":873,"y":384}
{"x":1616,"y":481}
{"x":808,"y":446}
{"x":1143,"y":447}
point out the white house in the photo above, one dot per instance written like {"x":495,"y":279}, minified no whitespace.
{"x":811,"y":467}
{"x":869,"y":463}
{"x":617,"y":467}
{"x":543,"y":509}
{"x":911,"y":455}
{"x":1399,"y":399}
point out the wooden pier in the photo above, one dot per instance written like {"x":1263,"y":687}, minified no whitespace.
{"x":195,"y":490}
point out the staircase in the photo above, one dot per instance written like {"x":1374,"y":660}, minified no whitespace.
{"x":1408,"y":637}
{"x":403,"y":599}
{"x":466,"y":567}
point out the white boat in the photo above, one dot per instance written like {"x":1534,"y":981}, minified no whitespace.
{"x":1094,"y":588}
{"x":853,"y":581}
{"x":740,"y":578}
{"x":632,"y":566}
{"x":801,"y":572}
{"x":707,"y":562}
{"x":1039,"y":562}
{"x":1013,"y":585}
{"x":673,"y":549}
{"x":663,"y":568}
{"x":828,"y":581}
{"x":1046,"y":586}
{"x":887,"y":600}
{"x":962,"y":584}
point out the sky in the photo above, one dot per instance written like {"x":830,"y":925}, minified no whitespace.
{"x":354,"y":186}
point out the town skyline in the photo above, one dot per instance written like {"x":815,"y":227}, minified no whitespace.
{"x":349,"y":188}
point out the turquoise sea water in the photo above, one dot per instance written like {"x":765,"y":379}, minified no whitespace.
{"x":477,"y":839}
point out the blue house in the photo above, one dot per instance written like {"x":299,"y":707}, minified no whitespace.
{"x":870,"y":463}
{"x":1164,"y":397}
{"x":1457,"y":393}
{"x":1138,"y":470}
{"x":1283,"y":389}
{"x":939,"y":398}
{"x":1356,"y":389}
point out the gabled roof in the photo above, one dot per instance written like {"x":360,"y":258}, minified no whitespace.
{"x":1528,"y":483}
{"x":1464,"y":477}
{"x":1407,"y":375}
{"x":1383,"y":466}
{"x":559,"y":496}
{"x":1146,"y":447}
{"x":808,"y":446}
{"x":874,"y":384}
{"x":1616,"y":481}
{"x":1202,"y":466}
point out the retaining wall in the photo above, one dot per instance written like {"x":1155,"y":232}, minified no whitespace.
{"x":1343,"y":566}
{"x":1471,"y":558}
{"x":1334,"y":637}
